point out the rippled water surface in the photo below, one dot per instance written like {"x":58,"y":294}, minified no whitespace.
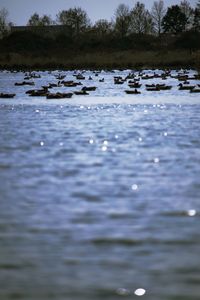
{"x":99,"y":196}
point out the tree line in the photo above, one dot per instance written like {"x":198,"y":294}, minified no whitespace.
{"x":130,"y":28}
{"x":139,"y":20}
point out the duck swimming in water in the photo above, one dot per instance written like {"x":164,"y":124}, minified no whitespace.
{"x":135,"y":91}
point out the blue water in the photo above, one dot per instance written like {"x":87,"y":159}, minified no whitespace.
{"x":100,"y":200}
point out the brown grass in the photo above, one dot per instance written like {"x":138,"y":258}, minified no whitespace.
{"x":109,"y":60}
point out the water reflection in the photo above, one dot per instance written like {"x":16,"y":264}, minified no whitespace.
{"x":99,"y":203}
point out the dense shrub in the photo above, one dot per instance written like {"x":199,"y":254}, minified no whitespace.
{"x":25,"y":41}
{"x":188,"y":40}
{"x":29,"y":42}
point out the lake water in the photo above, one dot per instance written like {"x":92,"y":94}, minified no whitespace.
{"x":100,"y":194}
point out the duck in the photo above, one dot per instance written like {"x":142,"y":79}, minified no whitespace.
{"x":165,"y":87}
{"x":67,"y":82}
{"x":185,"y":78}
{"x":82,"y":92}
{"x":80,"y":77}
{"x":5,"y":95}
{"x":187,"y":87}
{"x":58,"y":95}
{"x":146,"y":77}
{"x":24,"y":83}
{"x":155,"y":85}
{"x":70,"y":83}
{"x":135,"y":91}
{"x":195,"y":90}
{"x":38,"y":93}
{"x":197,"y":76}
{"x":36,"y":76}
{"x":89,"y":88}
{"x":60,"y":77}
{"x":134,"y":85}
{"x":153,"y":89}
{"x":119,"y":80}
{"x":130,"y":76}
{"x":52,"y":85}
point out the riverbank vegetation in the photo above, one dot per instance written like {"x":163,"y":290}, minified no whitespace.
{"x":102,"y":60}
{"x":135,"y":37}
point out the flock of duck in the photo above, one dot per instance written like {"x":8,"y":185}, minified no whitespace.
{"x":134,"y":83}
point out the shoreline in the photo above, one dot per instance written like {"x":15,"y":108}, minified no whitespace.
{"x":137,"y":60}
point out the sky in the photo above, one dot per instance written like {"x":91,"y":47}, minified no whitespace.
{"x":21,"y":10}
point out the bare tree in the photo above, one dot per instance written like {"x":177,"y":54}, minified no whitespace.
{"x":189,"y":13}
{"x":122,"y":20}
{"x":76,"y":19}
{"x":36,"y":20}
{"x":157,"y":12}
{"x":141,"y":20}
{"x":196,"y":22}
{"x":46,"y":21}
{"x":4,"y":23}
{"x":103,"y":27}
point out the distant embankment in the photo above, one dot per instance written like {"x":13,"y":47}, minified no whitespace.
{"x":46,"y":31}
{"x":102,"y":60}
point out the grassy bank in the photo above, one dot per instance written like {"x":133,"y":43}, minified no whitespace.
{"x":102,"y":60}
